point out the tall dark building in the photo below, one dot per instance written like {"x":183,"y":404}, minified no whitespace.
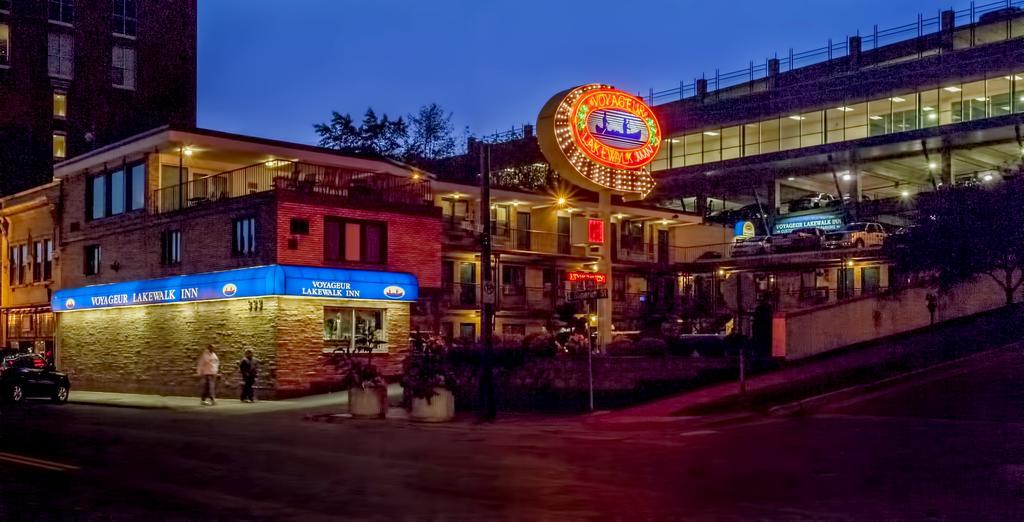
{"x":79,"y":74}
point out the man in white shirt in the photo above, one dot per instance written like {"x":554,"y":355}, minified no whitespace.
{"x":207,"y":368}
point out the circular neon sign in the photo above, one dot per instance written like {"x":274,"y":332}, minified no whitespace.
{"x":601,"y":138}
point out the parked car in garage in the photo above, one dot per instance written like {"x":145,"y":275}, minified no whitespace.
{"x":752,"y":246}
{"x":799,"y":240}
{"x":29,"y":375}
{"x":811,"y":201}
{"x":857,"y":235}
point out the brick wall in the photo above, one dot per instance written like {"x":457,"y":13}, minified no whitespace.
{"x":414,"y":240}
{"x":153,"y":349}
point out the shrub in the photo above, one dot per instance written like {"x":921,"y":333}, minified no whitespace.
{"x":620,"y":347}
{"x":651,"y":347}
{"x":540,"y":344}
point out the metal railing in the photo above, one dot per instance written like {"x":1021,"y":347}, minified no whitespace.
{"x":510,"y":297}
{"x":875,"y":39}
{"x":465,"y":231}
{"x":361,"y":186}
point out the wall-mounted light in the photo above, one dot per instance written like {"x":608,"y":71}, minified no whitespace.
{"x":187,"y":151}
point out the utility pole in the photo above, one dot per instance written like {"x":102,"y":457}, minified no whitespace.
{"x":488,"y":408}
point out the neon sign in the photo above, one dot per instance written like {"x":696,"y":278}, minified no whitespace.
{"x":576,"y":277}
{"x":595,"y":231}
{"x":337,"y":283}
{"x":601,"y":138}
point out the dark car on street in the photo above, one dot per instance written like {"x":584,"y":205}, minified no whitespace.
{"x":800,"y":240}
{"x":31,"y":376}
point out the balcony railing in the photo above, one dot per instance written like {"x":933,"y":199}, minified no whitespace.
{"x":466,"y":232}
{"x":358,"y":186}
{"x":511,"y":297}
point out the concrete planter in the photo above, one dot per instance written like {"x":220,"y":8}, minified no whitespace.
{"x":439,"y":408}
{"x":368,"y":403}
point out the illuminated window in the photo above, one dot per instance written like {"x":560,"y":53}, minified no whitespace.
{"x":42,"y":260}
{"x":93,"y":259}
{"x":355,"y":329}
{"x":243,"y":241}
{"x":60,"y":55}
{"x":60,"y":146}
{"x":123,"y":67}
{"x":17,"y":257}
{"x":170,"y":247}
{"x":60,"y":105}
{"x":355,"y":241}
{"x":62,"y":11}
{"x":124,"y":17}
{"x":5,"y":44}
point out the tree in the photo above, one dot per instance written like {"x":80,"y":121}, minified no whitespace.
{"x":964,"y":232}
{"x":432,"y":134}
{"x":375,"y":136}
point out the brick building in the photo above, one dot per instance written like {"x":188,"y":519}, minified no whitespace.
{"x":76,"y":75}
{"x":174,"y":239}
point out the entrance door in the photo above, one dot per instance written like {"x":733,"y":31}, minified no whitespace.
{"x":663,"y":247}
{"x":869,"y":279}
{"x":846,"y":288}
{"x":564,"y":245}
{"x":523,"y":231}
{"x":467,"y":283}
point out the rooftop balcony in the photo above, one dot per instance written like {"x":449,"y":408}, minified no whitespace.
{"x":357,"y":187}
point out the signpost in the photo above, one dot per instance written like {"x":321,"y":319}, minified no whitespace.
{"x":589,"y":294}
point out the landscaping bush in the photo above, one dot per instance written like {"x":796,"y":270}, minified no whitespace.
{"x":620,"y":347}
{"x":651,"y":347}
{"x":540,"y":344}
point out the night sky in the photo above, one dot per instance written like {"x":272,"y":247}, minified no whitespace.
{"x":273,"y":72}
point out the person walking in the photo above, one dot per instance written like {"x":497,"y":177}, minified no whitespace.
{"x":248,"y":367}
{"x":207,"y":368}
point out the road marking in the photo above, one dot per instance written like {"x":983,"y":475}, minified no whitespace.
{"x":38,"y":463}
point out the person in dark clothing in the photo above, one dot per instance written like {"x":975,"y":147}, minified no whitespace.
{"x":248,"y":367}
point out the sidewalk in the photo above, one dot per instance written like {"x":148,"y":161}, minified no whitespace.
{"x":225,"y":406}
{"x":851,"y":367}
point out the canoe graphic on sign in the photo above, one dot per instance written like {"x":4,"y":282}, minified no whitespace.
{"x":69,"y":304}
{"x":394,"y":292}
{"x":229,"y":290}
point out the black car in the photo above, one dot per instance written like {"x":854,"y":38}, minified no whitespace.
{"x":30,"y":376}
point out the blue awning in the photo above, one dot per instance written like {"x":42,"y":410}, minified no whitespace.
{"x":303,"y":281}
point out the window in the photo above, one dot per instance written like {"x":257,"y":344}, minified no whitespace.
{"x":60,"y":105}
{"x":124,"y":17}
{"x":60,"y":55}
{"x":60,"y":145}
{"x":37,"y":261}
{"x":5,"y":44}
{"x":47,"y":259}
{"x":117,"y":192}
{"x":123,"y":67}
{"x":467,"y":331}
{"x":243,"y":243}
{"x":93,"y":259}
{"x":18,"y":258}
{"x":511,"y":332}
{"x":357,"y":241}
{"x":300,"y":226}
{"x":170,"y":247}
{"x":513,"y":280}
{"x":137,"y":182}
{"x":358,"y":328}
{"x":62,"y":11}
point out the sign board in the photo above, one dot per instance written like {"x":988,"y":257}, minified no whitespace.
{"x":488,"y":292}
{"x":588,"y":295}
{"x":600,"y":138}
{"x":827,"y":221}
{"x":300,"y":281}
{"x":745,"y":229}
{"x":596,"y":277}
{"x":595,"y":231}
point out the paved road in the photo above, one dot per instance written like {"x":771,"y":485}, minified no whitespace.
{"x":946,"y":445}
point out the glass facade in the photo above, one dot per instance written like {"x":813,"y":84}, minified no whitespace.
{"x":899,"y":112}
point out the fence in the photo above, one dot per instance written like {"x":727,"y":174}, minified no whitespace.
{"x":832,"y":50}
{"x":294,"y":176}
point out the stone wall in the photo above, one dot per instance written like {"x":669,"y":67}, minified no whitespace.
{"x":153,"y":349}
{"x":821,"y":329}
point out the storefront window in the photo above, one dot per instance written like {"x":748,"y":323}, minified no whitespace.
{"x":789,"y":132}
{"x":975,"y":101}
{"x":904,"y":112}
{"x":769,"y":135}
{"x":355,"y":329}
{"x":751,"y":139}
{"x":879,"y":117}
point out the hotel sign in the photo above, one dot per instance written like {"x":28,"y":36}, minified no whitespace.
{"x":601,"y":138}
{"x":260,"y":281}
{"x":826,"y":221}
{"x":577,"y":277}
